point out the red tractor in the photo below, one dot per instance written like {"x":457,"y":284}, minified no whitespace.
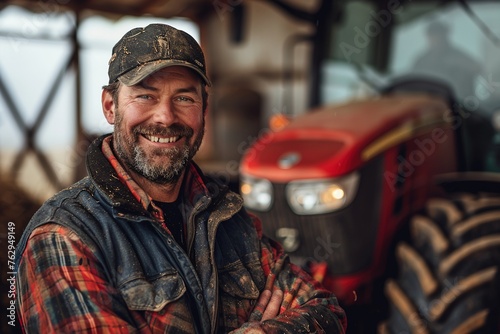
{"x":390,"y":200}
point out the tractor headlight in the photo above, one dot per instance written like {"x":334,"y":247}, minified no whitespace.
{"x":310,"y":197}
{"x":257,"y":193}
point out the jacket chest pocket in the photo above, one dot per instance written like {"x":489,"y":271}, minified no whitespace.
{"x":240,"y":285}
{"x":143,"y":295}
{"x":244,"y":281}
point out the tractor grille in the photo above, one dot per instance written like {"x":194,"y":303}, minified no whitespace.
{"x":344,"y":239}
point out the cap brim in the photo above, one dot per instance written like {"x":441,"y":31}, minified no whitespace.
{"x":139,"y":73}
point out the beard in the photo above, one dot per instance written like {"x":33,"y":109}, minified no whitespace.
{"x":159,"y":165}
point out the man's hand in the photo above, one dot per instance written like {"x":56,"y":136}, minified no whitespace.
{"x":271,"y":302}
{"x":268,"y":306}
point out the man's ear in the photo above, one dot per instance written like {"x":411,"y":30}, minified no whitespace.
{"x":108,"y":106}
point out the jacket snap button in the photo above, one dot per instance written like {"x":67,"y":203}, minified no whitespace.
{"x":158,"y":299}
{"x":199,"y":297}
{"x":169,"y":241}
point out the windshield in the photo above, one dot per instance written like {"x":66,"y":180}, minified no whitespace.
{"x":373,"y":45}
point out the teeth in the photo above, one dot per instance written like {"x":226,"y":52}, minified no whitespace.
{"x":162,"y":140}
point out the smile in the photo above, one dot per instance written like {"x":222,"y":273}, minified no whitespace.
{"x":155,"y":139}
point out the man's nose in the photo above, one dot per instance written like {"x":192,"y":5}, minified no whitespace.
{"x":165,"y":113}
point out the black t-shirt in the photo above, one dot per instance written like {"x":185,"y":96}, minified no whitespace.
{"x":173,"y":219}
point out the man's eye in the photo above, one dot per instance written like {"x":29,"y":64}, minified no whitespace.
{"x":184,"y":99}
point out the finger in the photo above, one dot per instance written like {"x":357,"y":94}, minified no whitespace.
{"x":270,"y":282}
{"x":273,"y":308}
{"x":260,"y":306}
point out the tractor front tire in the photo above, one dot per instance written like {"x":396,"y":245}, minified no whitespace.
{"x":448,"y":276}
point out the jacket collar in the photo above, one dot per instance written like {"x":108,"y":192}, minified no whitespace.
{"x":106,"y":179}
{"x":126,"y":196}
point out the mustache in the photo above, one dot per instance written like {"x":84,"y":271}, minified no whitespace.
{"x":158,"y":130}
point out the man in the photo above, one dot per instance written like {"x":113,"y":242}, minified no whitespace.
{"x":147,"y":243}
{"x":444,"y":61}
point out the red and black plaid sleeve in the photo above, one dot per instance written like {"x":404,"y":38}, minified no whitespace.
{"x":306,"y":308}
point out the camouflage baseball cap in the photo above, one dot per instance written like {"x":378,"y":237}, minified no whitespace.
{"x":143,"y":51}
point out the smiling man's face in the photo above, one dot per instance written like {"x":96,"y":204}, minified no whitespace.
{"x":158,"y":123}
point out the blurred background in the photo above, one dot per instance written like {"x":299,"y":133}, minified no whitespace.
{"x":263,"y":57}
{"x":268,"y":61}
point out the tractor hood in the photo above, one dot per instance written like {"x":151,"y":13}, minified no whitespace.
{"x":333,"y":141}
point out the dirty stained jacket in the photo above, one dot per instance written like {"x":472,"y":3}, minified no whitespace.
{"x":96,"y":258}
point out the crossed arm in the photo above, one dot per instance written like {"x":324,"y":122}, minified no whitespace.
{"x":55,"y":295}
{"x":292,"y":302}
